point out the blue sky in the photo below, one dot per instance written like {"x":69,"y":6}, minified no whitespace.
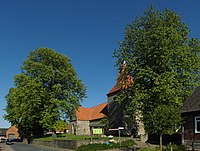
{"x":86,"y":31}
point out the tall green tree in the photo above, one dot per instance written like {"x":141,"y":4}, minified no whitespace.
{"x":60,"y":125}
{"x":46,"y":91}
{"x":164,"y":119}
{"x":162,"y":59}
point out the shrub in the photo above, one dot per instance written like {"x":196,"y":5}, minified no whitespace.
{"x":168,"y":148}
{"x":92,"y":147}
{"x":127,"y":143}
{"x":150,"y":149}
{"x":175,"y":147}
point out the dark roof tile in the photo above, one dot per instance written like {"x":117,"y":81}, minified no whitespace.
{"x":193,"y":102}
{"x":3,"y":131}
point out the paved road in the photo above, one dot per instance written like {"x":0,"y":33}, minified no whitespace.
{"x":29,"y":147}
{"x":4,"y":147}
{"x":26,"y":147}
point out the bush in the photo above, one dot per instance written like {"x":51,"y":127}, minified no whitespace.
{"x":175,"y":147}
{"x":127,"y":143}
{"x":92,"y":147}
{"x":168,"y":148}
{"x":150,"y":149}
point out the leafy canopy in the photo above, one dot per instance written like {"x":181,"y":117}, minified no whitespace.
{"x":60,"y":125}
{"x":164,"y":119}
{"x":46,"y":91}
{"x":163,"y":61}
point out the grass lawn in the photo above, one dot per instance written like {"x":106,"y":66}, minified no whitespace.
{"x":71,"y":137}
{"x":76,"y":137}
{"x":98,"y":145}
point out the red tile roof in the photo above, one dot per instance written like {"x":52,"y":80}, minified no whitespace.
{"x":93,"y":113}
{"x":114,"y":89}
{"x":123,"y":80}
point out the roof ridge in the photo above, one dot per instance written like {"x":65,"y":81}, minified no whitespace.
{"x":98,"y":105}
{"x":92,"y":106}
{"x":193,"y":102}
{"x":84,"y":107}
{"x":90,"y":113}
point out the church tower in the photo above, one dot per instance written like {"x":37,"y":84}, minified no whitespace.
{"x":117,"y":110}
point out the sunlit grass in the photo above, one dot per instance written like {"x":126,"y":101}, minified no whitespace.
{"x":71,"y":137}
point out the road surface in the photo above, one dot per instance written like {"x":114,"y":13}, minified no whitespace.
{"x":27,"y":147}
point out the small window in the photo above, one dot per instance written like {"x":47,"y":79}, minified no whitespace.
{"x":197,"y":124}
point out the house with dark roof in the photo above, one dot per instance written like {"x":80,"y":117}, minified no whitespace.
{"x":191,"y":118}
{"x":3,"y":132}
{"x":86,"y":120}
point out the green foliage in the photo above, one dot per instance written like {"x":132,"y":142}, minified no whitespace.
{"x":105,"y":121}
{"x":92,"y":147}
{"x":164,"y":119}
{"x":149,"y":149}
{"x":46,"y":91}
{"x":167,"y":148}
{"x":60,"y":125}
{"x":163,"y":61}
{"x":175,"y":147}
{"x":127,"y":143}
{"x":70,"y":137}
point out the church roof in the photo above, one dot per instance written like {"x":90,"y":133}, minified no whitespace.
{"x":123,"y":81}
{"x":114,"y":89}
{"x":93,"y":113}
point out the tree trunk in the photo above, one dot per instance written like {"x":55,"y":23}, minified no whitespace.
{"x":54,"y":133}
{"x":161,"y":145}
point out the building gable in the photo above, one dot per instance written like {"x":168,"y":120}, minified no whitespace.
{"x":124,"y":80}
{"x":193,"y":102}
{"x":93,"y":113}
{"x":3,"y":131}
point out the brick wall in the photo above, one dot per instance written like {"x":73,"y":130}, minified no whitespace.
{"x":13,"y":130}
{"x":67,"y":144}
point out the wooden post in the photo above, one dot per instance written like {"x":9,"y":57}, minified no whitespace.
{"x":119,"y":138}
{"x":171,"y":148}
{"x":161,"y":142}
{"x":134,"y":147}
{"x":182,"y":135}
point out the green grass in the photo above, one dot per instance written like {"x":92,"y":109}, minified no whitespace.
{"x":70,"y":137}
